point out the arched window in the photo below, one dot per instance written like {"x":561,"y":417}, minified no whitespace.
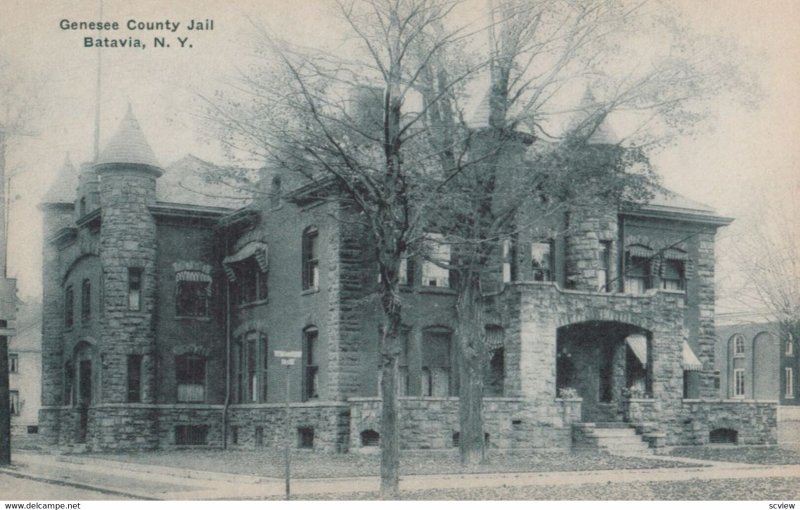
{"x":310,"y":260}
{"x":370,"y":438}
{"x":738,"y":346}
{"x":190,"y":377}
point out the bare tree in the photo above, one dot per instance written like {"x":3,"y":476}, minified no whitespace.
{"x":408,"y":169}
{"x":764,"y":251}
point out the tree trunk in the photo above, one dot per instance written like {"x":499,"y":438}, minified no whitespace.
{"x":470,"y":333}
{"x":390,"y":428}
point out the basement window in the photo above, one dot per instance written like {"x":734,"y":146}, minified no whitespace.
{"x":191,"y":435}
{"x":305,"y":437}
{"x":723,"y":436}
{"x":370,"y":438}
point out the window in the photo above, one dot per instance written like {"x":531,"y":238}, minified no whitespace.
{"x":436,"y":356}
{"x":251,"y":360}
{"x":370,"y":438}
{"x":637,"y":275}
{"x":311,"y":370}
{"x":305,"y":437}
{"x":190,"y":376}
{"x":603,"y":285}
{"x":789,"y":384}
{"x":672,"y":275}
{"x":191,"y":435}
{"x":509,"y":261}
{"x":134,"y":288}
{"x":542,"y":261}
{"x":69,"y":377}
{"x":789,"y":349}
{"x":192,"y":291}
{"x":738,"y":346}
{"x":13,"y":363}
{"x":33,"y":429}
{"x":69,"y":304}
{"x":310,"y":259}
{"x":86,"y":301}
{"x":258,"y":438}
{"x":235,"y":434}
{"x":494,"y":376}
{"x":275,"y":192}
{"x":14,"y":402}
{"x":134,"y":378}
{"x":738,"y":382}
{"x":433,"y":274}
{"x":250,"y":284}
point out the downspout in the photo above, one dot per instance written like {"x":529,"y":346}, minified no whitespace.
{"x":227,"y":356}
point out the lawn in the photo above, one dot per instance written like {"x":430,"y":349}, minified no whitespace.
{"x":745,"y":489}
{"x":269,"y":463}
{"x":740,"y":454}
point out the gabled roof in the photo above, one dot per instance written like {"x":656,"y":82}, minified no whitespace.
{"x":128,"y":145}
{"x":65,"y":188}
{"x":191,"y":181}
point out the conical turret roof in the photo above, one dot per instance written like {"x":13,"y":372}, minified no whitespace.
{"x":64,"y":188}
{"x":128,"y":145}
{"x":588,"y":115}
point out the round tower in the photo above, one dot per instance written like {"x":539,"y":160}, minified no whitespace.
{"x":127,"y":170}
{"x":57,"y":213}
{"x":593,"y":230}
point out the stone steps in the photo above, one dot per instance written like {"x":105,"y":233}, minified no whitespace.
{"x":614,"y":437}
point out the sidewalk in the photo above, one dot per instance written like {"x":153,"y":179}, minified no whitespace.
{"x":142,"y":481}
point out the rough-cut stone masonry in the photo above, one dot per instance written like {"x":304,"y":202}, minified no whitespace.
{"x":430,"y":422}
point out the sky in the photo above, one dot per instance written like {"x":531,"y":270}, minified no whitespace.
{"x":741,"y":154}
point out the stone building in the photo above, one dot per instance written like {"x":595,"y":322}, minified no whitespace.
{"x":163,"y":307}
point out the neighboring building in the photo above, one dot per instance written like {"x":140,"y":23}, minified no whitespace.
{"x":25,"y":373}
{"x":163,"y":309}
{"x":757,"y":361}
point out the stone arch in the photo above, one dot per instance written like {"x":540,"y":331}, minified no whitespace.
{"x":74,"y":262}
{"x":588,"y":314}
{"x":370,"y":437}
{"x":600,"y":362}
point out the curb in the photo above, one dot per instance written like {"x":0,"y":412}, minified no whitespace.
{"x":76,"y":485}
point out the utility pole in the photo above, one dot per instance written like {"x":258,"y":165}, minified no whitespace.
{"x":287,"y":359}
{"x":8,"y":307}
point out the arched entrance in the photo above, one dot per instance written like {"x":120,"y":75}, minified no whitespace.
{"x":603,"y":362}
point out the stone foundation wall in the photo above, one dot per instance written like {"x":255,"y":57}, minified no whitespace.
{"x":329,"y":422}
{"x":429,"y":422}
{"x":754,"y":421}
